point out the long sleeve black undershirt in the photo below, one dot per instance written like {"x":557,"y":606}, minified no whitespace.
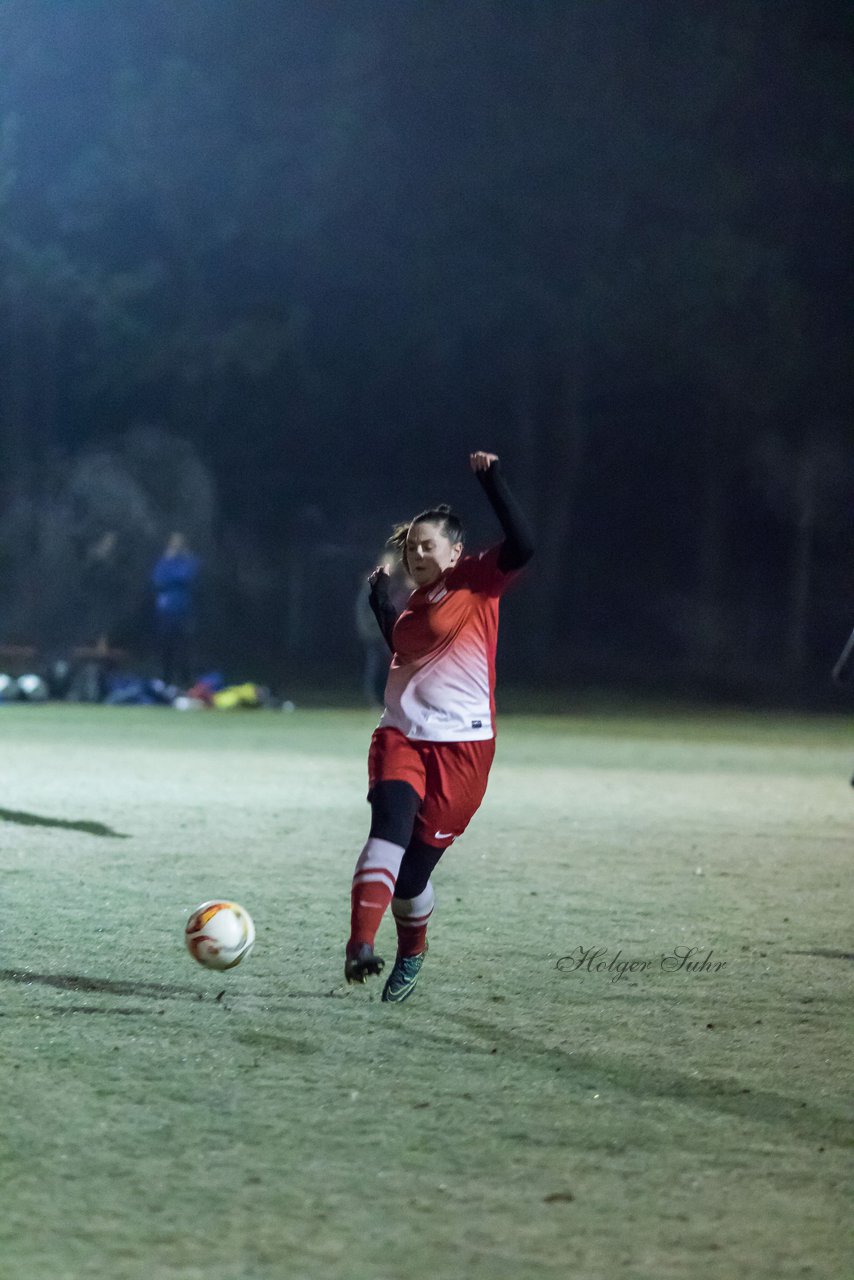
{"x":384,"y":611}
{"x":514,"y":553}
{"x":518,"y":545}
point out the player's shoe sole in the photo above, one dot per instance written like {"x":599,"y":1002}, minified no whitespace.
{"x":400,"y":983}
{"x":363,"y":964}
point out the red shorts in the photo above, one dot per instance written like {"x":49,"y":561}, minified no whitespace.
{"x":450,"y":778}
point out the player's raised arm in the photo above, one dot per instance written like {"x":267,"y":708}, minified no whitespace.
{"x":518,"y":545}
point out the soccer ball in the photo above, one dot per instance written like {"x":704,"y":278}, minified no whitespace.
{"x":219,"y":934}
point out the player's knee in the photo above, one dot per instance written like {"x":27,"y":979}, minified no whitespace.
{"x":393,"y":809}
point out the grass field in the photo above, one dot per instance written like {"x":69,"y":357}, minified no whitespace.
{"x":523,"y":1115}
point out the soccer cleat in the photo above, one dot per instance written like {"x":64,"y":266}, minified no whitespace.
{"x":362,"y":964}
{"x":400,"y":983}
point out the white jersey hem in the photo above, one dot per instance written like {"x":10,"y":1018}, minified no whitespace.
{"x":437,"y":733}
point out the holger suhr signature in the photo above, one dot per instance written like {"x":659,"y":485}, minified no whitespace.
{"x":682,"y":959}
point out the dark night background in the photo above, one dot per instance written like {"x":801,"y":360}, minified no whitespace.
{"x":271,"y":269}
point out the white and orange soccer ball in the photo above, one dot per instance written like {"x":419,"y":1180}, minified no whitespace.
{"x":219,"y":934}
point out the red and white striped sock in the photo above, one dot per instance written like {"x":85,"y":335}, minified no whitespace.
{"x":412,"y":915}
{"x":373,"y":886}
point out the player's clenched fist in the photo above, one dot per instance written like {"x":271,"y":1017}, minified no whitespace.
{"x":481,"y":461}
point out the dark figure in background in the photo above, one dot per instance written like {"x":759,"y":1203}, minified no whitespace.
{"x":102,"y":585}
{"x":174,"y":580}
{"x":103,"y":581}
{"x":377,"y":655}
{"x":844,"y":667}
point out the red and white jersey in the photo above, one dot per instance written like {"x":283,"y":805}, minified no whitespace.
{"x":441,"y":685}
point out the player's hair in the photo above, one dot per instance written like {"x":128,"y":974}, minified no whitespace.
{"x":450,"y":524}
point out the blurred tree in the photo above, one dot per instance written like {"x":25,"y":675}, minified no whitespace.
{"x":181,"y":202}
{"x":332,"y":249}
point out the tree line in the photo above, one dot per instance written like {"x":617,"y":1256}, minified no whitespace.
{"x":332,"y":251}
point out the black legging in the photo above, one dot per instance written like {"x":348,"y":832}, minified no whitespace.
{"x":394,"y":807}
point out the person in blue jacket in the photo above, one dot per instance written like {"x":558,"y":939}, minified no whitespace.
{"x":174,"y":580}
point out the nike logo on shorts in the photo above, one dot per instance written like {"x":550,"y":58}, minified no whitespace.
{"x":444,"y":835}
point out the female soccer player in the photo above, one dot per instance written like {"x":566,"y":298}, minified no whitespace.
{"x":430,"y":755}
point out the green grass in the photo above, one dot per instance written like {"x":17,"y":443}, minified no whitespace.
{"x":515,"y":1119}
